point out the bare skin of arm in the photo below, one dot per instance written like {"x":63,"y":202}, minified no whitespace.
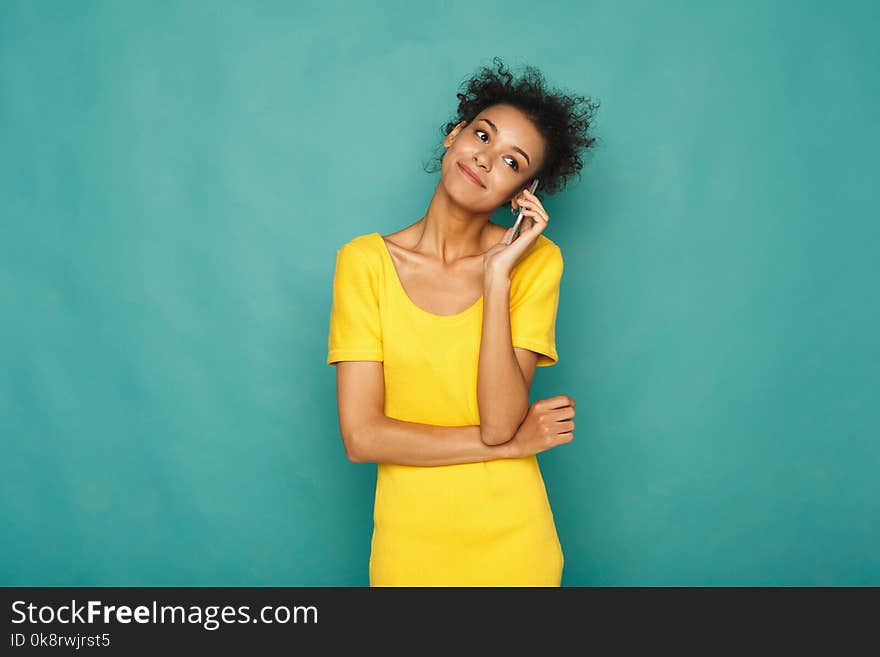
{"x":505,"y":372}
{"x":370,"y":436}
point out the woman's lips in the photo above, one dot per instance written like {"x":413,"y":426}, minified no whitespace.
{"x":469,"y":175}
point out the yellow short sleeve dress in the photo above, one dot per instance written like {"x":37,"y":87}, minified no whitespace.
{"x":475,"y":524}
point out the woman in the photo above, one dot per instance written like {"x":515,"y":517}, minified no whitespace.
{"x":436,"y":331}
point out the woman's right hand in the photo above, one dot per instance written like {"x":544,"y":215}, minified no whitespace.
{"x":548,"y":424}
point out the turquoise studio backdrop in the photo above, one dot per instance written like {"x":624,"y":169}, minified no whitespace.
{"x":177,"y":177}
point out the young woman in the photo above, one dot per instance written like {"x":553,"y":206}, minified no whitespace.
{"x":436,"y":331}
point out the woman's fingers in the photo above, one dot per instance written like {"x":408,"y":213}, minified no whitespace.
{"x":534,"y":206}
{"x":536,"y":218}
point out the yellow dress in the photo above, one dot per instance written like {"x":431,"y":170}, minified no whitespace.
{"x":473,"y":524}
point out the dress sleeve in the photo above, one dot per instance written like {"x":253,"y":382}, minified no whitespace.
{"x":355,"y":323}
{"x":534,"y":302}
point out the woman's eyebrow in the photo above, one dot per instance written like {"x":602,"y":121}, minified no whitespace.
{"x":516,"y":148}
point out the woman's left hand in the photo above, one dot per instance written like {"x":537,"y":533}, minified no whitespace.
{"x":501,"y":258}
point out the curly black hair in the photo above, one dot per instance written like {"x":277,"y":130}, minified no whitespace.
{"x":562,"y":119}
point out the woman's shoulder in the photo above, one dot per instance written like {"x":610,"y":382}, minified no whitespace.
{"x":365,"y":247}
{"x":363,"y":241}
{"x":544,"y":242}
{"x":543,"y":256}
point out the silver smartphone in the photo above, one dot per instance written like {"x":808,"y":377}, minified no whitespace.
{"x":516,"y":224}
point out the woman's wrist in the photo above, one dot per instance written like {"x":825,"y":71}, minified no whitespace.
{"x":493,"y":280}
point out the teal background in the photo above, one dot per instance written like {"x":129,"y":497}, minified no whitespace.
{"x":175,"y":179}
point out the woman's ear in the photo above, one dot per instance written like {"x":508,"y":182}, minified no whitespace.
{"x":453,"y":134}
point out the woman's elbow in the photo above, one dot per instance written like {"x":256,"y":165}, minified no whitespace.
{"x":493,"y":437}
{"x":351,"y":454}
{"x":352,"y":442}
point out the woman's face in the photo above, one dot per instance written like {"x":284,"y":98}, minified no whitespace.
{"x":502,"y":148}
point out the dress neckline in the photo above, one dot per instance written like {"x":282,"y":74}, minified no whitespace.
{"x":399,"y":284}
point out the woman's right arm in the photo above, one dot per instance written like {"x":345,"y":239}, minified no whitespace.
{"x":385,"y":439}
{"x":370,"y":436}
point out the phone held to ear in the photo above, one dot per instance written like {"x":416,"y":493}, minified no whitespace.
{"x":516,"y":224}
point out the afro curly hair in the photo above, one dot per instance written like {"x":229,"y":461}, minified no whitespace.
{"x":562,"y":119}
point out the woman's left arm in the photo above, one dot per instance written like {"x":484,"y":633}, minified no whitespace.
{"x":505,"y":373}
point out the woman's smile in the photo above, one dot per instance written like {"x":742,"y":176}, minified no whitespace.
{"x":470,"y":175}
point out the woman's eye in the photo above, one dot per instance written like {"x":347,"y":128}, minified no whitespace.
{"x":513,"y":163}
